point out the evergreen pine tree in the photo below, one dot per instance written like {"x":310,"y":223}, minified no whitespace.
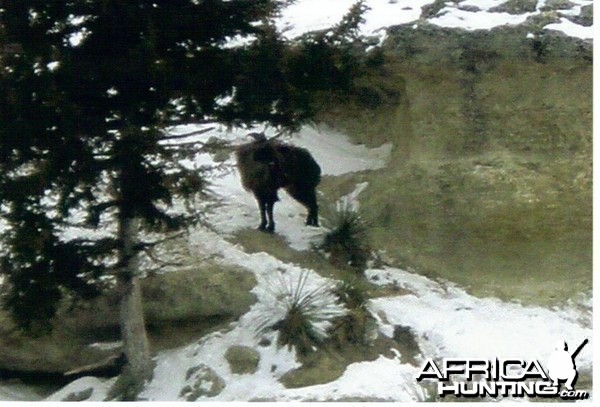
{"x":87,"y":88}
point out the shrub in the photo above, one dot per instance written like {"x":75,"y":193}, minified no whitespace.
{"x":353,"y":292}
{"x":302,"y":311}
{"x":357,"y":325}
{"x":345,"y":243}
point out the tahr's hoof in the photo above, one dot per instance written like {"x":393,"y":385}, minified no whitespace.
{"x":267,"y":229}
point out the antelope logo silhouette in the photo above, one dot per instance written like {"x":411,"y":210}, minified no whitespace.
{"x":561,"y":364}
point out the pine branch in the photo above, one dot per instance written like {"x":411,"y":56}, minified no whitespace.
{"x":162,"y":264}
{"x":168,"y":123}
{"x":185,"y":143}
{"x":190,"y":134}
{"x":93,"y":247}
{"x":213,"y":143}
{"x":144,"y":246}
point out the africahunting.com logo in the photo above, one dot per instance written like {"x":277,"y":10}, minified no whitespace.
{"x":507,"y":377}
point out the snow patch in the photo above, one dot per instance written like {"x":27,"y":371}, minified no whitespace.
{"x":337,"y":155}
{"x":304,"y":16}
{"x":17,"y":392}
{"x":448,"y":322}
{"x":571,"y":29}
{"x":350,"y":201}
{"x":453,"y":17}
{"x":383,"y":379}
{"x":314,"y":15}
{"x":99,"y":388}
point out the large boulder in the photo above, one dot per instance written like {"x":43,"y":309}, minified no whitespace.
{"x":179,"y":306}
{"x":178,"y":297}
{"x":242,"y":359}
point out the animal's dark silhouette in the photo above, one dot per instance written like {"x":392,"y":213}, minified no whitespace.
{"x":267,"y":165}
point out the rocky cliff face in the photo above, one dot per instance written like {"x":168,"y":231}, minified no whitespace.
{"x":179,"y":306}
{"x":490,"y":180}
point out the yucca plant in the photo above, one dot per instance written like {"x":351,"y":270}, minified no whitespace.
{"x":302,"y":311}
{"x":346,"y":241}
{"x":353,"y":292}
{"x":357,"y":325}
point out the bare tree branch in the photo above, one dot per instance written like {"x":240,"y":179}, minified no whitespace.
{"x":149,"y":245}
{"x":190,"y":134}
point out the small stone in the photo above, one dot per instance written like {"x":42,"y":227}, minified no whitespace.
{"x":264,"y":342}
{"x":470,"y":9}
{"x":242,"y":359}
{"x":79,"y":395}
{"x":205,"y":382}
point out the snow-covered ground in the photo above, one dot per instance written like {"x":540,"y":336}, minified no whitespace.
{"x":17,"y":392}
{"x":451,"y":323}
{"x":446,"y":320}
{"x":310,"y":15}
{"x":334,"y":153}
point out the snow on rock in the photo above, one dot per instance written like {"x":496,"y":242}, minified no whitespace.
{"x":170,"y":372}
{"x":304,"y":16}
{"x":17,"y":392}
{"x":448,"y":322}
{"x":454,"y":17}
{"x":172,"y":366}
{"x":337,"y":155}
{"x":571,"y":29}
{"x":446,"y":319}
{"x":358,"y":380}
{"x":313,"y":15}
{"x":350,"y":201}
{"x":83,"y":389}
{"x":383,"y":379}
{"x":266,"y":268}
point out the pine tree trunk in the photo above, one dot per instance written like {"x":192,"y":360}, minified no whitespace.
{"x":139,"y":365}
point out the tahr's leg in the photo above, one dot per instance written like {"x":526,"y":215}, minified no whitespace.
{"x":262,"y":208}
{"x":313,"y":208}
{"x":269,"y":209}
{"x":307,"y":196}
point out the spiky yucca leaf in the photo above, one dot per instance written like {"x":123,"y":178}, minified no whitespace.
{"x":345,"y":242}
{"x":302,"y":311}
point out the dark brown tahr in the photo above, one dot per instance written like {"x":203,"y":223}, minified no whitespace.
{"x":267,"y":165}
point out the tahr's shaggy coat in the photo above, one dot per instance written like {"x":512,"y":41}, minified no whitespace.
{"x":267,"y":165}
